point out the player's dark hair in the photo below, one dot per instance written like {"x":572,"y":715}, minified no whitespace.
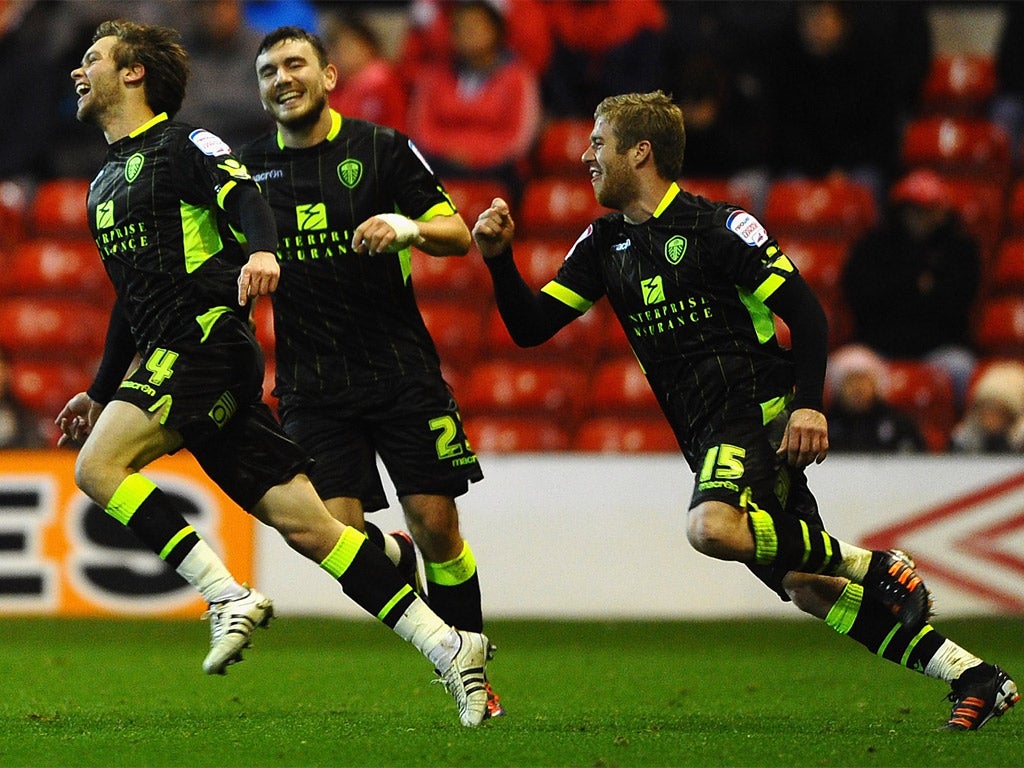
{"x":157,"y":49}
{"x":294,"y":33}
{"x":636,"y":117}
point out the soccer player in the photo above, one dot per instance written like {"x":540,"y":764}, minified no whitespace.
{"x":357,"y":372}
{"x":165,"y":210}
{"x":695,"y":285}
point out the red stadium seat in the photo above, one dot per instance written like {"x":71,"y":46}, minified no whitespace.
{"x":1000,"y":326}
{"x":980,"y":203}
{"x":523,"y":388}
{"x":456,"y":327}
{"x":720,"y":190}
{"x":558,"y":208}
{"x":820,"y":261}
{"x":619,"y":386}
{"x":263,"y":318}
{"x":507,"y":434}
{"x":615,"y":341}
{"x":959,"y":84}
{"x":560,"y":147}
{"x":1008,"y":270}
{"x":1015,"y":209}
{"x":57,"y":266}
{"x":957,"y":145}
{"x":449,"y":277}
{"x":926,"y":393}
{"x":58,"y":208}
{"x":539,"y":259}
{"x":45,"y":327}
{"x":830,"y":208}
{"x":45,"y":386}
{"x":473,"y":196}
{"x":624,"y":434}
{"x":13,"y":212}
{"x":578,"y":343}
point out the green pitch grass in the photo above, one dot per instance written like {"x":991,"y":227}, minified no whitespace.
{"x":344,"y":693}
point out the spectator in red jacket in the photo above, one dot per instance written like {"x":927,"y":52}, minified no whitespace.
{"x":428,"y":38}
{"x":369,"y":86}
{"x":479,"y":116}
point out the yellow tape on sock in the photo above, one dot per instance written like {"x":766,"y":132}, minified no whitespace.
{"x":454,"y":572}
{"x":344,"y":552}
{"x":129,"y":496}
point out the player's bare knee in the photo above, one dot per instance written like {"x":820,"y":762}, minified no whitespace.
{"x":90,"y":470}
{"x":711,"y":529}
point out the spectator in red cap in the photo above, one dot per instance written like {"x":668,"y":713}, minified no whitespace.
{"x":912,"y":281}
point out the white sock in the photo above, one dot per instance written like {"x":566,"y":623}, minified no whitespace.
{"x":206,"y":572}
{"x":391,"y":548}
{"x":428,"y":634}
{"x":855,"y":562}
{"x":950,"y":661}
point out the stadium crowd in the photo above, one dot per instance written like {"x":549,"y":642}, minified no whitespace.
{"x":889,"y":170}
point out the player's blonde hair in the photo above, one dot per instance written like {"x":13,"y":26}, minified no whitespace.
{"x":653,"y":117}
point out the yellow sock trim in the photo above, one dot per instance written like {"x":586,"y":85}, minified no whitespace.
{"x":766,"y":545}
{"x":174,"y":541}
{"x":913,"y":643}
{"x":806,"y":533}
{"x":888,"y":639}
{"x":842,"y":615}
{"x":344,"y":552}
{"x":405,"y":590}
{"x":454,"y":572}
{"x":129,"y":496}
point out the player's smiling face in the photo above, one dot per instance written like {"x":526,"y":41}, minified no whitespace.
{"x":293,"y":86}
{"x":610,"y":174}
{"x":96,"y":81}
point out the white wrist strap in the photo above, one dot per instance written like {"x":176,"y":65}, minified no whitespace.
{"x":407,"y":231}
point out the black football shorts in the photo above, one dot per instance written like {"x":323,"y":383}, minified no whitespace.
{"x":740,"y":467}
{"x":211,"y":394}
{"x":412,"y":423}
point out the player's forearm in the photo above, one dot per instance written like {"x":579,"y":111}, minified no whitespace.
{"x":250,"y":213}
{"x":531,"y":318}
{"x":444,"y":236}
{"x":808,"y":326}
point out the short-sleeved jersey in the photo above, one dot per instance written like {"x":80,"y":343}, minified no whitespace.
{"x":342,"y":318}
{"x":688,"y":286}
{"x":155,"y":213}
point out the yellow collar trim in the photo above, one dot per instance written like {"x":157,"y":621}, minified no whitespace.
{"x":332,"y":133}
{"x":670,"y":195}
{"x":149,"y":124}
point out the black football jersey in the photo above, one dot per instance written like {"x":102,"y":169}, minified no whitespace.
{"x":342,"y":318}
{"x":154,"y":211}
{"x":688,"y":286}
